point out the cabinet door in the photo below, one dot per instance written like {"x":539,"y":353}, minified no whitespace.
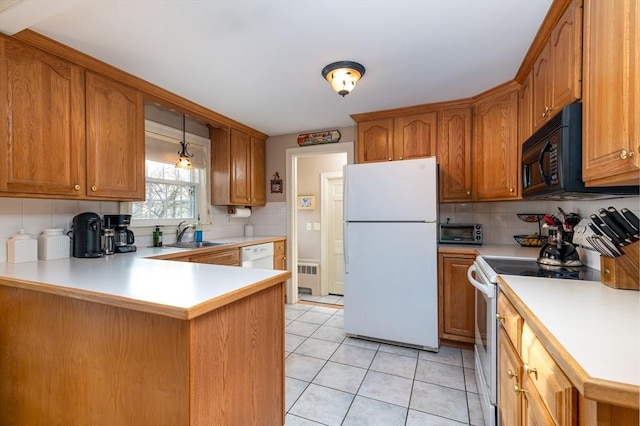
{"x":525,"y":111}
{"x":541,"y":87}
{"x":454,"y":155}
{"x":566,"y":58}
{"x":534,"y":411}
{"x":375,"y":140}
{"x":458,"y":299}
{"x":240,"y":157}
{"x":258,"y":178}
{"x":115,"y":140}
{"x":279,"y":255}
{"x":415,"y":136}
{"x":509,"y":372}
{"x":496,"y":149}
{"x":42,"y":131}
{"x":611,"y":128}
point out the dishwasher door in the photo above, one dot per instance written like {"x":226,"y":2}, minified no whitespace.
{"x":257,"y":256}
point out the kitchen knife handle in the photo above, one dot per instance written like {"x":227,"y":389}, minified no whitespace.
{"x":631,"y":218}
{"x":620,"y":220}
{"x":606,"y":230}
{"x":611,"y":223}
{"x":595,"y":229}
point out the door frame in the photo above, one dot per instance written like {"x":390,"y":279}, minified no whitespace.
{"x":324,"y":226}
{"x":291,"y":184}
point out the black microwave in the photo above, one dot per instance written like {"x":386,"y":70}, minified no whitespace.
{"x":552,"y":161}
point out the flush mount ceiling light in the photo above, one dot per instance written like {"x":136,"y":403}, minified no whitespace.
{"x":343,"y":76}
{"x":184,"y":161}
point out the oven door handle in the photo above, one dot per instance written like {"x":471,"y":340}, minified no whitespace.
{"x":487,"y":289}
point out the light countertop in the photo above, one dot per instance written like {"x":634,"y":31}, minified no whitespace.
{"x":135,"y":281}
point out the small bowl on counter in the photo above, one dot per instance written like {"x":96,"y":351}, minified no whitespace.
{"x":531,"y":240}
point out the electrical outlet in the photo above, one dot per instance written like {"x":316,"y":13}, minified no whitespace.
{"x":308,"y":226}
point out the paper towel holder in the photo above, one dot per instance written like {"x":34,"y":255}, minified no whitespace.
{"x":232,"y":209}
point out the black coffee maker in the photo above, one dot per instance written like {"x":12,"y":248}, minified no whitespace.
{"x":124,"y":237}
{"x":86,"y":235}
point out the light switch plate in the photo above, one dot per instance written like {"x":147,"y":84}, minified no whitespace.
{"x":316,"y":226}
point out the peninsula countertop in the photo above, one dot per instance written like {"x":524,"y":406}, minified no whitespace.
{"x":137,"y":281}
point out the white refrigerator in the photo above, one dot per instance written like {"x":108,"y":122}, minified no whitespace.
{"x":390,"y":250}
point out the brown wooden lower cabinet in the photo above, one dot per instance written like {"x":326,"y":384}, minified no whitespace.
{"x":456,"y":298}
{"x":65,"y":361}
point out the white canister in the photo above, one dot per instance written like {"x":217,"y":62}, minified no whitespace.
{"x":22,"y":248}
{"x":53,"y":244}
{"x":248,"y":230}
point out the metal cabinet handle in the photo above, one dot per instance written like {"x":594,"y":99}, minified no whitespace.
{"x":500,"y":318}
{"x":94,"y":188}
{"x":518,"y":389}
{"x":530,"y":370}
{"x":468,"y":192}
{"x":389,"y":158}
{"x":511,"y":374}
{"x":546,"y":112}
{"x":624,"y":154}
{"x":511,"y":190}
{"x":77,"y":187}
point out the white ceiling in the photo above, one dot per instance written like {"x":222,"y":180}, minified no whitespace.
{"x":259,"y":61}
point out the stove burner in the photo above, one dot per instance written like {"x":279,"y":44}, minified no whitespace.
{"x":530,"y":268}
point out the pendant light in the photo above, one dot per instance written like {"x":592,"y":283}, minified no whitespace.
{"x":343,"y":76}
{"x":184,"y":161}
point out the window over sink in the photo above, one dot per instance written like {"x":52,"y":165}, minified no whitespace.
{"x":172,"y":195}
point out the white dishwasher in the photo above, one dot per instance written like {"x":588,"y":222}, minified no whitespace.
{"x":257,"y":256}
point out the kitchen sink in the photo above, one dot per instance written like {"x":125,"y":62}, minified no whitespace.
{"x":194,"y":244}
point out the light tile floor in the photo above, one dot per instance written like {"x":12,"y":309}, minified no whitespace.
{"x":330,"y":299}
{"x":332,"y":379}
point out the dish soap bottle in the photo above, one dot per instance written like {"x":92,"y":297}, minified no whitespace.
{"x":157,"y":237}
{"x":198,"y":235}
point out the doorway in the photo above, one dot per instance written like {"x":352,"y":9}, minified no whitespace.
{"x":295,"y":224}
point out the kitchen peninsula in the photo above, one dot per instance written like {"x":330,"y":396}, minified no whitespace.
{"x":131,"y":340}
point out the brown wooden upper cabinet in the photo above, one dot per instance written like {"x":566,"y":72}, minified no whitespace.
{"x":67,"y":133}
{"x":496,"y":151}
{"x":237,"y":168}
{"x":396,"y":137}
{"x":611,"y":104}
{"x":454,"y":154}
{"x":557,"y":71}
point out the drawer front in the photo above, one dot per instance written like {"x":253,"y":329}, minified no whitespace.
{"x":553,"y":386}
{"x":510,"y":320}
{"x":228,"y":257}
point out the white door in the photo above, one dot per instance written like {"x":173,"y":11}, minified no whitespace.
{"x":335,"y":236}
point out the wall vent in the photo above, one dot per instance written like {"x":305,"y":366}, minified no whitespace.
{"x":309,"y":276}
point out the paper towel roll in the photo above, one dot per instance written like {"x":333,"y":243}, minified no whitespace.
{"x":241,"y":212}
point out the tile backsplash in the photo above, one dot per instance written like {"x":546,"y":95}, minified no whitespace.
{"x":499,"y":219}
{"x":500,"y":223}
{"x":35,"y":215}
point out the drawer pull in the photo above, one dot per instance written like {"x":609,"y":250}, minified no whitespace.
{"x":624,"y":154}
{"x":528,"y":370}
{"x":511,"y":374}
{"x":500,"y":318}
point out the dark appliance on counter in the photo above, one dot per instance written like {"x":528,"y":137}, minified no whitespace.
{"x":552,"y":161}
{"x":124,"y":237}
{"x":86,"y":235}
{"x":460,"y":233}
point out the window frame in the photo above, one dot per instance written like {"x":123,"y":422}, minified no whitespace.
{"x":202,"y":181}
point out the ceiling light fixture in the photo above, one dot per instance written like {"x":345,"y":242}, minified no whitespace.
{"x":184,"y":161}
{"x":343,"y":76}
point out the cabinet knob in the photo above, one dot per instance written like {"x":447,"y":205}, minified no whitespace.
{"x":546,"y":112}
{"x":530,"y":370}
{"x":518,"y":389}
{"x":468,"y":192}
{"x":76,"y":187}
{"x":94,"y":188}
{"x":401,"y":158}
{"x":511,"y":190}
{"x":389,"y":158}
{"x":624,"y":154}
{"x":511,"y":374}
{"x":500,"y":318}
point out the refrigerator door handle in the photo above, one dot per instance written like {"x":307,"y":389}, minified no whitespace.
{"x":346,"y":248}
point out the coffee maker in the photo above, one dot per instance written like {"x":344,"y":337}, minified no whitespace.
{"x":124,"y":237}
{"x":86,"y":235}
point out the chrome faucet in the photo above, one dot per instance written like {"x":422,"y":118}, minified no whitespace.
{"x":180,"y":232}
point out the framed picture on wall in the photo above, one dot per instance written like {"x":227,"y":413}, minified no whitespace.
{"x":306,"y":202}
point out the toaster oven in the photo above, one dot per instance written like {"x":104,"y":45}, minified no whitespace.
{"x":460,"y":233}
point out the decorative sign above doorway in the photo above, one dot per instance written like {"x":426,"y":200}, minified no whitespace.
{"x":328,"y":136}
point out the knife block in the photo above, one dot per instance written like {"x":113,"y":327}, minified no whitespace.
{"x":622,"y":272}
